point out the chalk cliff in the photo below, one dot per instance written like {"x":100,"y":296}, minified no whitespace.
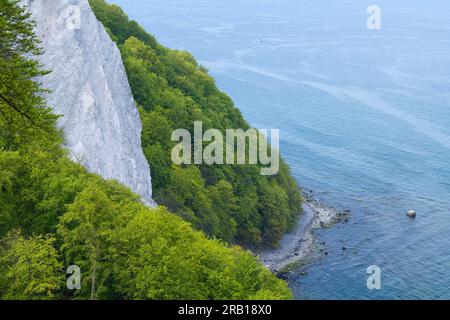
{"x":90,"y":90}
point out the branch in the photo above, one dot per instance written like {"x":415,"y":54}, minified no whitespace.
{"x":15,"y":108}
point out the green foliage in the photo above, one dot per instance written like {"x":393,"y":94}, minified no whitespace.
{"x":30,"y":267}
{"x":124,"y":249}
{"x":225,"y":210}
{"x":23,"y":113}
{"x":86,"y":229}
{"x":119,"y":25}
{"x":26,"y":203}
{"x":173,"y":92}
{"x":162,"y":258}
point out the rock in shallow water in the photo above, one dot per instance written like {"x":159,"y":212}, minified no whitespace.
{"x":411,"y":214}
{"x":90,"y":89}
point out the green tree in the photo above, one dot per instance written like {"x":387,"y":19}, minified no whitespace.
{"x":30,"y":267}
{"x":23,"y":113}
{"x":159,"y":256}
{"x":224,"y":207}
{"x":273,"y":204}
{"x":86,"y":229}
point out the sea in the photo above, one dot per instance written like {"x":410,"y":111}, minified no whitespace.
{"x":364,"y":118}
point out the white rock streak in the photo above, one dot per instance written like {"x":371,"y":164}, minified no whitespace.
{"x":90,"y":89}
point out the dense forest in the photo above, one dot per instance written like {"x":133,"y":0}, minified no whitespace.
{"x":230,"y":202}
{"x":54,"y":214}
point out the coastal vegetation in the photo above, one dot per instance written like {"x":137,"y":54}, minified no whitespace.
{"x":54,"y":214}
{"x":234,"y":203}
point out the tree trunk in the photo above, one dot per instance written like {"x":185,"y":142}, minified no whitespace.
{"x":94,"y":270}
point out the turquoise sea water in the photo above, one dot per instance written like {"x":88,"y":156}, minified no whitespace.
{"x":364,"y":118}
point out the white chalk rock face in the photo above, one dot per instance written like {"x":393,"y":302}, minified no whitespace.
{"x":90,"y":90}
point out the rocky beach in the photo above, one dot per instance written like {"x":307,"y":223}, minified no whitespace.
{"x":297,"y":244}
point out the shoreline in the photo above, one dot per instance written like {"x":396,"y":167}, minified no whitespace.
{"x":297,"y":244}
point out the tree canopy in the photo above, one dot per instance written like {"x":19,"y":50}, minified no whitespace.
{"x":233,"y":203}
{"x":23,"y":112}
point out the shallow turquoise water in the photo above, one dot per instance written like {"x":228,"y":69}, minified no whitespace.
{"x":364,"y":118}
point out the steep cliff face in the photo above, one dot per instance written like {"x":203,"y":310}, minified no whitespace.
{"x":90,"y":90}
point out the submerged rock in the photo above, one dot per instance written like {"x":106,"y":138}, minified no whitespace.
{"x":90,"y":90}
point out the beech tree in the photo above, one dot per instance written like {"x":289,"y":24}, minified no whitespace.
{"x":86,"y":229}
{"x":23,"y":112}
{"x":30,"y":267}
